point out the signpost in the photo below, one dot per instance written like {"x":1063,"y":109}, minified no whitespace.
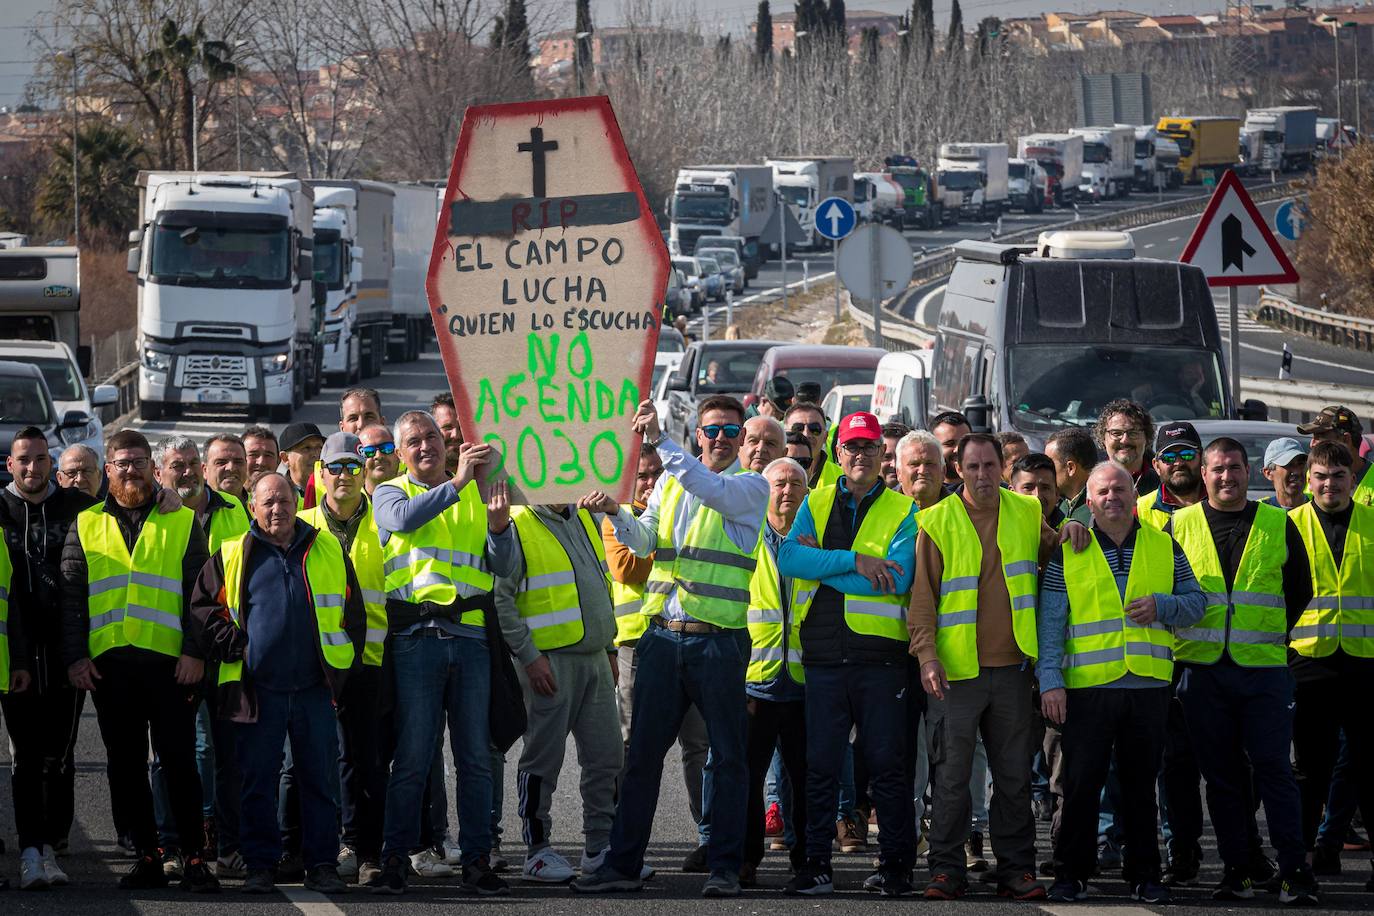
{"x":1234,"y":247}
{"x":874,"y":263}
{"x":546,"y":287}
{"x":835,"y":219}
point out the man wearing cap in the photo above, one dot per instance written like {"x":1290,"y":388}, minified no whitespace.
{"x":1178,"y":463}
{"x":1285,"y":466}
{"x":777,"y":398}
{"x":1331,"y":653}
{"x":300,"y":449}
{"x":1339,"y":424}
{"x":851,"y":552}
{"x":346,"y":513}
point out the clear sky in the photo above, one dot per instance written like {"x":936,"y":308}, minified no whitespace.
{"x":16,"y":56}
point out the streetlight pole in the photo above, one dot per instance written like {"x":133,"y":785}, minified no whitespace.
{"x":76,"y":171}
{"x":578,"y":78}
{"x":796,"y":67}
{"x":903,"y":60}
{"x":1356,"y":27}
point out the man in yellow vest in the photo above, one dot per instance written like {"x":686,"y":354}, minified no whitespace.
{"x":346,"y":513}
{"x":851,"y":551}
{"x":381,"y":461}
{"x":1236,"y":690}
{"x":807,"y":419}
{"x":1339,"y":424}
{"x":702,"y":524}
{"x":1105,"y":634}
{"x":127,"y":573}
{"x":282,"y":612}
{"x":178,"y":467}
{"x":226,"y":468}
{"x":1331,"y":652}
{"x":558,"y":620}
{"x":775,"y":680}
{"x":300,"y":452}
{"x":1178,"y":462}
{"x":972,"y":621}
{"x":443,"y":544}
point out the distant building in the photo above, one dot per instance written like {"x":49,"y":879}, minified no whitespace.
{"x":855,"y":21}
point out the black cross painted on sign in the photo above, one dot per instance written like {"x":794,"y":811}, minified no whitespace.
{"x":538,"y":147}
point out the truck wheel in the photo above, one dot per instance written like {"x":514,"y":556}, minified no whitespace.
{"x":150,"y":411}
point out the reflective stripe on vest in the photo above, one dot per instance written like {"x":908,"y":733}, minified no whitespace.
{"x":710,"y":574}
{"x":1102,"y":644}
{"x":1251,"y":621}
{"x":226,"y":523}
{"x":1341,"y":613}
{"x":774,"y":635}
{"x":366,"y":554}
{"x":445,"y":558}
{"x":1147,"y":513}
{"x":1018,"y":540}
{"x":6,"y":573}
{"x":867,"y":615}
{"x":547,"y":597}
{"x":326,"y":584}
{"x":134,"y":600}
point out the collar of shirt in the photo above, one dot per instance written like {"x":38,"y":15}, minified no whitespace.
{"x":300,"y":533}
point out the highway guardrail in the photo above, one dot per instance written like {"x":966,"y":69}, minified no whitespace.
{"x":1341,"y":330}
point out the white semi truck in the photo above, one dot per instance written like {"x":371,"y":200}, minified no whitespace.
{"x":731,"y":200}
{"x":805,"y":181}
{"x":412,"y":243}
{"x":227,"y":315}
{"x":979,"y":171}
{"x":1061,"y":156}
{"x":1286,"y":137}
{"x":356,"y":263}
{"x":1156,"y":160}
{"x":1108,"y":161}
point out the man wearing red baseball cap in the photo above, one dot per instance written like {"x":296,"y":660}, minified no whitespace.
{"x":852,"y":551}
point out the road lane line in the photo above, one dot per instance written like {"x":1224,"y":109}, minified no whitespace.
{"x":1087,"y":909}
{"x":309,"y":902}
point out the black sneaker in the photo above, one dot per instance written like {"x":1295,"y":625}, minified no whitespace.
{"x":1068,"y":890}
{"x":1108,"y":856}
{"x":895,"y":884}
{"x":1235,"y":885}
{"x":1150,"y":892}
{"x":812,"y":881}
{"x":259,"y":881}
{"x":1182,"y":871}
{"x":1262,"y":869}
{"x":392,"y":880}
{"x":1326,"y":860}
{"x":144,"y":874}
{"x":197,"y":878}
{"x":695,"y":863}
{"x":324,"y":879}
{"x":1299,"y":888}
{"x":479,"y":879}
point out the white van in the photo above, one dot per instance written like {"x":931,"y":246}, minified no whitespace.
{"x":901,"y":388}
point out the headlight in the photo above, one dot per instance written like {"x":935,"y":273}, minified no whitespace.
{"x":156,"y":360}
{"x":277,"y":363}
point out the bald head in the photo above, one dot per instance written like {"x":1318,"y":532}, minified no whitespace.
{"x":788,"y":485}
{"x":1111,"y":494}
{"x":273,"y":503}
{"x":764,"y":443}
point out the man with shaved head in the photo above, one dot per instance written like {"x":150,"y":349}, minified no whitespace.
{"x":764,"y":442}
{"x":1105,"y":635}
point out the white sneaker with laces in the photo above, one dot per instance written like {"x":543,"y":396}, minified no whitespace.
{"x":453,"y":854}
{"x":430,"y":864}
{"x":55,"y":875}
{"x":31,"y":874}
{"x":348,"y":863}
{"x":548,"y":867}
{"x":590,"y":864}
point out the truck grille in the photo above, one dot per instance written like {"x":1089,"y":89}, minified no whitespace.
{"x":215,"y":372}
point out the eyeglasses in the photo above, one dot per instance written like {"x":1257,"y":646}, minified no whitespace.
{"x":814,"y":429}
{"x":77,"y":472}
{"x":863,"y":447}
{"x":1135,"y":433}
{"x":731,"y":430}
{"x":338,"y":467}
{"x":804,"y":462}
{"x":1178,"y":454}
{"x":125,"y":465}
{"x":372,"y":451}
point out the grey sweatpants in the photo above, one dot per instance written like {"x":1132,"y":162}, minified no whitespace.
{"x":582,"y":706}
{"x":691,"y":739}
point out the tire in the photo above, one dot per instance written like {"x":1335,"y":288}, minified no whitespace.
{"x":150,"y":411}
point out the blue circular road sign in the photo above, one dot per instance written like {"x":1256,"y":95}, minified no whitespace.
{"x":1288,"y":220}
{"x":835,"y":218}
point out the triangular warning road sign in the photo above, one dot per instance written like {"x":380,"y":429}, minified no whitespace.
{"x":1232,"y":242}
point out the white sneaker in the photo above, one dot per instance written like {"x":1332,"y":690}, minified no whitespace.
{"x":592,"y":863}
{"x":430,"y":864}
{"x":348,"y":863}
{"x":547,"y":867}
{"x":31,"y":874}
{"x":453,"y":854}
{"x":55,"y":875}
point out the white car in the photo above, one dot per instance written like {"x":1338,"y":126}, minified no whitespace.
{"x":843,"y":400}
{"x":665,"y":364}
{"x":68,"y":388}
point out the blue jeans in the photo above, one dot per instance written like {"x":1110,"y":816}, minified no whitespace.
{"x":434,"y":675}
{"x":674,"y":671}
{"x":306,"y":719}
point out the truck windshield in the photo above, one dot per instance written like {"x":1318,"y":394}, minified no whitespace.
{"x":213,"y":252}
{"x":796,"y":195}
{"x":329,"y":258}
{"x":703,"y":208}
{"x":1144,"y":149}
{"x":23,"y":402}
{"x":962,"y":181}
{"x":1016,"y":170}
{"x":1056,"y":385}
{"x":1184,"y":141}
{"x":60,"y":374}
{"x":1096,"y":152}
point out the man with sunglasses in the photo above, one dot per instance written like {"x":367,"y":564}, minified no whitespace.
{"x":1178,"y":462}
{"x":702,"y":523}
{"x":806,"y":418}
{"x":381,"y":461}
{"x":347,"y":514}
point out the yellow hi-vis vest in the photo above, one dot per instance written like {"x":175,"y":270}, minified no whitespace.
{"x":6,"y":574}
{"x":226,"y":524}
{"x":366,"y":554}
{"x":1251,"y":621}
{"x":830,"y":473}
{"x":867,"y":615}
{"x":445,"y":558}
{"x":774,"y":633}
{"x":1147,"y":513}
{"x":1018,"y":539}
{"x":710,"y":574}
{"x":1102,"y":643}
{"x":547,"y":597}
{"x":1341,"y":613}
{"x":134,"y":600}
{"x":630,"y":622}
{"x":326,"y":582}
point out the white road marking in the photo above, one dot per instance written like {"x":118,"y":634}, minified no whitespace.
{"x":309,"y":902}
{"x":1151,"y":245}
{"x":1087,"y":909}
{"x":1175,"y":238}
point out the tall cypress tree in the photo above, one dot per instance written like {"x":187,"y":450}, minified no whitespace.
{"x":835,"y":21}
{"x":923,"y":26}
{"x":510,"y":34}
{"x":583,"y":59}
{"x":955,"y":41}
{"x":763,"y":32}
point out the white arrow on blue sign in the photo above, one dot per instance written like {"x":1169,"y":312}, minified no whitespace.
{"x":1288,"y":220}
{"x":835,"y":218}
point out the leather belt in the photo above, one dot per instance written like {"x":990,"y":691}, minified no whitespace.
{"x":690,"y":627}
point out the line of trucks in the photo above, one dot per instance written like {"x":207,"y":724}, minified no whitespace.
{"x":980,"y":181}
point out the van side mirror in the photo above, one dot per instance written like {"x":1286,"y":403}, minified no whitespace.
{"x":979,"y":413}
{"x":678,"y":382}
{"x":1254,"y":409}
{"x":134,"y":257}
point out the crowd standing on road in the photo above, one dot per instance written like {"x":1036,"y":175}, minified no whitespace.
{"x":845,"y":626}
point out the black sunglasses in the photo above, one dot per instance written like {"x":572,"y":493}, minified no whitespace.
{"x":804,"y":462}
{"x":338,"y":467}
{"x":731,"y":430}
{"x":814,"y":429}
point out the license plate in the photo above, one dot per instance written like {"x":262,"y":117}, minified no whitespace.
{"x":215,"y":396}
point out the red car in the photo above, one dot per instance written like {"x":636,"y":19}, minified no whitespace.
{"x":823,"y":365}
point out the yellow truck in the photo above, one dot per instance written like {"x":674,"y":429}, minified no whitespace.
{"x":1206,"y":145}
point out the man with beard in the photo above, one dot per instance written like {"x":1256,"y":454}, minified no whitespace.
{"x":226,"y":468}
{"x":446,"y":415}
{"x":179,"y":468}
{"x":892,"y":434}
{"x":764,"y":441}
{"x":1178,"y":462}
{"x":381,"y":461}
{"x":124,"y":640}
{"x":79,"y":467}
{"x":1123,"y":430}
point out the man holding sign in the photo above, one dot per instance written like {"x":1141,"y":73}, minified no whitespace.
{"x":702,"y":523}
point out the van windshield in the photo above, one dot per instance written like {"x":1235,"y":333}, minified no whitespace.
{"x":1058,"y":385}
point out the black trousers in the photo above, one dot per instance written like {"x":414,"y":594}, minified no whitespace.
{"x":361,"y":774}
{"x":1102,"y":724}
{"x":43,"y":729}
{"x":780,"y":725}
{"x":1323,"y":709}
{"x":1182,"y":781}
{"x":137,"y":699}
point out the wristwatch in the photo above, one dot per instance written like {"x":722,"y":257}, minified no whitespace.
{"x":657,"y":440}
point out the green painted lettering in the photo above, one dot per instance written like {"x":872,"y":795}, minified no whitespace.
{"x":571,"y":467}
{"x":487,"y":395}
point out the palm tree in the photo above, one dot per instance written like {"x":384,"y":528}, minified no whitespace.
{"x":108,"y":158}
{"x":174,"y":62}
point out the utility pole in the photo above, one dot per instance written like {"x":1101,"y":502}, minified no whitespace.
{"x":76,"y":171}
